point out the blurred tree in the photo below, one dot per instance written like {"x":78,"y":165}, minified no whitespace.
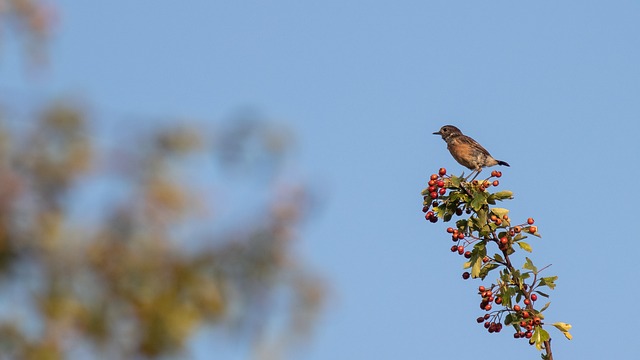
{"x":138,"y":275}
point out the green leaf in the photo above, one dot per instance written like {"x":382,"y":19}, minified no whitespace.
{"x":479,"y":200}
{"x":540,"y":335}
{"x":499,"y":212}
{"x":481,"y":223}
{"x":549,"y":282}
{"x":508,"y":319}
{"x":485,"y":270}
{"x":524,"y":246}
{"x":476,"y":267}
{"x":529,"y":266}
{"x":462,"y":224}
{"x":542,"y":294}
{"x":504,"y":194}
{"x":425,"y":192}
{"x":545,"y":306}
{"x":519,"y":237}
{"x":455,"y":181}
{"x":457,"y":197}
{"x":498,"y":258}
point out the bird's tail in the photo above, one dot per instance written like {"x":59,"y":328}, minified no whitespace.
{"x":503,"y":163}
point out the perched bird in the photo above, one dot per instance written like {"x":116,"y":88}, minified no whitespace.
{"x":467,"y":151}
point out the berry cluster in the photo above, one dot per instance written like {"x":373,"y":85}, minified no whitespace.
{"x":437,"y":183}
{"x":524,"y":319}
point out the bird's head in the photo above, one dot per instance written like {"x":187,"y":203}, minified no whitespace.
{"x":448,"y":131}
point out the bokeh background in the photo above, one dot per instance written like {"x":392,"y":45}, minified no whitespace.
{"x":318,"y":117}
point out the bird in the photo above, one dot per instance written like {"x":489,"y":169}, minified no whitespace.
{"x":467,"y":151}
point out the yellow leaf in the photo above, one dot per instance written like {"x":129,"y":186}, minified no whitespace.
{"x":562,"y":326}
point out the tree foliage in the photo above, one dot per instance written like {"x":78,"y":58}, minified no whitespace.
{"x":480,"y":227}
{"x":137,"y":279}
{"x":119,"y":252}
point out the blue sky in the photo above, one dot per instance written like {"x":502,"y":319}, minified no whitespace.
{"x":551,"y":87}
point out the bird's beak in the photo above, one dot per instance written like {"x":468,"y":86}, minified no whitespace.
{"x":437,"y":133}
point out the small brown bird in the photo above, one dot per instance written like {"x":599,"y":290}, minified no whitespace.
{"x":467,"y":151}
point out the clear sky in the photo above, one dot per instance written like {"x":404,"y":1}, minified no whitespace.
{"x":552,"y":87}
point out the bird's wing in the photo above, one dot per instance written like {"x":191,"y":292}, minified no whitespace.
{"x":467,"y":140}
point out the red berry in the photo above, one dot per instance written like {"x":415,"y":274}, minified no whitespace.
{"x":467,"y":254}
{"x":458,"y":211}
{"x":425,"y":209}
{"x":442,"y":171}
{"x":460,"y":249}
{"x":528,"y":334}
{"x":525,"y":314}
{"x":536,"y":321}
{"x":480,"y":319}
{"x":432,"y":188}
{"x":481,"y":288}
{"x":516,"y":335}
{"x":434,"y":177}
{"x":534,"y":297}
{"x":465,"y":275}
{"x":460,"y":236}
{"x":504,"y":241}
{"x":434,"y":195}
{"x":487,"y":324}
{"x":498,"y":173}
{"x":527,"y":302}
{"x":432,"y":182}
{"x":533,"y":229}
{"x":488,"y":307}
{"x":442,"y":191}
{"x":498,"y":300}
{"x":496,"y":182}
{"x":454,"y":248}
{"x":450,"y":230}
{"x":516,"y":308}
{"x":530,"y":221}
{"x":440,"y":183}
